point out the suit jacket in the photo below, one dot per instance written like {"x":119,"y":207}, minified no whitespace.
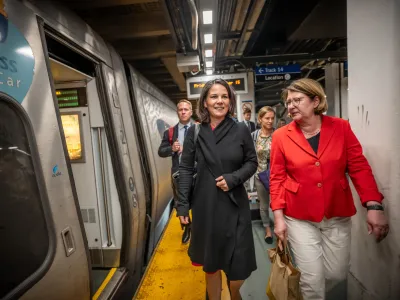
{"x":309,"y":186}
{"x":165,"y":149}
{"x":252,"y":126}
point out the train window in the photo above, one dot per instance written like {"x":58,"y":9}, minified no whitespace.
{"x":72,"y":125}
{"x":24,"y":231}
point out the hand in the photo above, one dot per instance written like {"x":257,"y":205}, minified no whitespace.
{"x":377,"y":224}
{"x":176,"y":146}
{"x":281,"y":229}
{"x":184,"y":220}
{"x":221,"y":183}
{"x":180,"y":149}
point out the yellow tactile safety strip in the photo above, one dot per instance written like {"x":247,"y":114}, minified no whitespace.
{"x":170,"y":275}
{"x":104,"y":284}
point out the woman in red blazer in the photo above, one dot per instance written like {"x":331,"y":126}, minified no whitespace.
{"x":310,"y":194}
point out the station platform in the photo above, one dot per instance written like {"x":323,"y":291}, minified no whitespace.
{"x":170,"y":274}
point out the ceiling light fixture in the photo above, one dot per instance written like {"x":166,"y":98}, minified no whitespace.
{"x":209,"y":53}
{"x":208,"y":38}
{"x":209,"y":64}
{"x":207,"y":17}
{"x":209,"y":72}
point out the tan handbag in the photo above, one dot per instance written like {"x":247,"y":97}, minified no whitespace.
{"x":284,"y":280}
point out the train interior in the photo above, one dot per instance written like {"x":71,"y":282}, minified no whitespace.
{"x":87,"y":145}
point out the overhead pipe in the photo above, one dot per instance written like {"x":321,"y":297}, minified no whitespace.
{"x":234,"y":26}
{"x":250,"y":10}
{"x":195,"y":24}
{"x":171,"y":26}
{"x":184,"y":29}
{"x":253,"y":13}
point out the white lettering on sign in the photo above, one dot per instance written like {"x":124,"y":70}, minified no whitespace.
{"x":11,"y":82}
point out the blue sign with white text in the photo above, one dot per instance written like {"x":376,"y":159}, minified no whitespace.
{"x":17,"y":62}
{"x":274,"y":69}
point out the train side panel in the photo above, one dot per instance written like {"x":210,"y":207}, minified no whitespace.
{"x":157,"y":113}
{"x":66,"y":270}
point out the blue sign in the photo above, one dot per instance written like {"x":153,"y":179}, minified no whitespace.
{"x":17,"y":62}
{"x":274,"y":69}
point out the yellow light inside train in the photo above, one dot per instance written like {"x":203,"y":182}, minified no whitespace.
{"x":208,"y":53}
{"x":72,"y":131}
{"x":207,"y":17}
{"x":209,"y":72}
{"x":209,"y":64}
{"x":208,"y":38}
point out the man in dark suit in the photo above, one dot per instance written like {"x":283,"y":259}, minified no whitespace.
{"x":172,"y":145}
{"x":247,"y":116}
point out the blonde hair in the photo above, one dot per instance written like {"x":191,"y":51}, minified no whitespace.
{"x":185,"y":101}
{"x":310,"y":88}
{"x":263,"y":111}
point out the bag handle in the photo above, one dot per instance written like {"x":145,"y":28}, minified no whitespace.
{"x":283,"y":251}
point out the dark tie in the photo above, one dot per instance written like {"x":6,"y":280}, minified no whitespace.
{"x":248,"y":125}
{"x":186,"y":127}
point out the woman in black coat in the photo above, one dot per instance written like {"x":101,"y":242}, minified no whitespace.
{"x":222,"y":236}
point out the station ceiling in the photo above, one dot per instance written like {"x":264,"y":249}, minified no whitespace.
{"x":149,"y":33}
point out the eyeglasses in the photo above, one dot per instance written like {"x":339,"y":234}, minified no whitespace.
{"x":293,"y":101}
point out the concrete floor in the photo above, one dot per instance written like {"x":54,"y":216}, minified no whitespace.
{"x":255,"y":286}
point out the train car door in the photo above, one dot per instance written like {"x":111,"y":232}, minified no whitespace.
{"x":89,"y":141}
{"x":44,"y":252}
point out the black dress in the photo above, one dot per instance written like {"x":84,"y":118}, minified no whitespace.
{"x":222,"y":236}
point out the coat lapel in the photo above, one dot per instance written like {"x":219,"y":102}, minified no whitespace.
{"x":208,"y":145}
{"x":223,"y":129}
{"x":297,"y":136}
{"x":327,"y":130}
{"x":208,"y":140}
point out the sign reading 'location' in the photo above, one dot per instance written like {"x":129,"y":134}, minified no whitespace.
{"x":277,"y":73}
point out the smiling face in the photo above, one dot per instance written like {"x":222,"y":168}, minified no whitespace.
{"x":267,"y":120}
{"x":217,"y":102}
{"x":300,"y":106}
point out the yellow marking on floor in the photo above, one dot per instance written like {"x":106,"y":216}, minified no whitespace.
{"x":225,"y":295}
{"x":104,"y":283}
{"x":170,"y":274}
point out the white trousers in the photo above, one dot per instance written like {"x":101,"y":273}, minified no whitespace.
{"x":322,"y":253}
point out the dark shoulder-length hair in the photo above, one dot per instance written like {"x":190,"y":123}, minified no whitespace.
{"x":202,"y":112}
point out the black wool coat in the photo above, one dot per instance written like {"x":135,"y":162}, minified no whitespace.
{"x":222,"y":236}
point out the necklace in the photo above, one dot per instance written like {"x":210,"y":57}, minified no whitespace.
{"x":312,"y":133}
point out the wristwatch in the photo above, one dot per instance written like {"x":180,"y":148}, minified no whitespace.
{"x":375,"y":207}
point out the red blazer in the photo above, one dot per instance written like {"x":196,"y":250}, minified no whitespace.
{"x":309,"y":186}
